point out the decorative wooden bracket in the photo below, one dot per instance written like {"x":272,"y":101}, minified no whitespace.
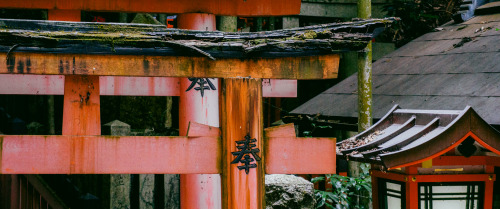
{"x":288,"y":154}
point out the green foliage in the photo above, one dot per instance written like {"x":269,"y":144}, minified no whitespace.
{"x":418,"y":17}
{"x":314,"y":127}
{"x":346,"y":190}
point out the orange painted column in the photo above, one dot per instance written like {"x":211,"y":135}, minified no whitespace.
{"x":488,"y":193}
{"x":242,"y":144}
{"x":411,"y":194}
{"x":199,"y":190}
{"x":81,"y":111}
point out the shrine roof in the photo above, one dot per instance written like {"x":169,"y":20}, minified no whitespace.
{"x":404,"y":137}
{"x":454,"y":66}
{"x":142,"y":39}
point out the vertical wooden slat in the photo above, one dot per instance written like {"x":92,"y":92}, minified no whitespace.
{"x":14,"y":192}
{"x":241,"y":112}
{"x":31,"y":193}
{"x":6,"y":191}
{"x":23,"y":187}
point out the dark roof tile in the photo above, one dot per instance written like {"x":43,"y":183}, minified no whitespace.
{"x":428,"y":74}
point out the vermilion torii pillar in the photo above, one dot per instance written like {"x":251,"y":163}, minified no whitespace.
{"x":200,"y":106}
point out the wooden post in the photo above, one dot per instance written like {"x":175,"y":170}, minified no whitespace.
{"x":62,"y":15}
{"x":488,"y":193}
{"x":81,"y":113}
{"x":411,"y":194}
{"x":365,"y":74}
{"x":241,"y":112}
{"x":198,"y":190}
{"x":364,"y":91}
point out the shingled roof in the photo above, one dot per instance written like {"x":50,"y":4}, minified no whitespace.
{"x":456,"y":66}
{"x":404,"y":137}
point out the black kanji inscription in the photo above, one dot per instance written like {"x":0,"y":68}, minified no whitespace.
{"x":245,"y":149}
{"x":203,"y":84}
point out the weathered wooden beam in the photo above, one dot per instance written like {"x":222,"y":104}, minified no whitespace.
{"x":218,"y":7}
{"x":198,"y":190}
{"x":241,"y":119}
{"x":315,"y":67}
{"x":108,"y":154}
{"x":288,"y":154}
{"x":131,"y":39}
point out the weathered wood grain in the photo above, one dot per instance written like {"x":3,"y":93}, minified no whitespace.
{"x":314,"y":67}
{"x":241,"y":112}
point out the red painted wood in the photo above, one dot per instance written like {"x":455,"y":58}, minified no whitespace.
{"x":219,"y":7}
{"x":26,"y":84}
{"x":60,"y":14}
{"x":279,"y":88}
{"x":288,"y":154}
{"x":286,"y":130}
{"x":460,"y":160}
{"x":241,"y":114}
{"x":198,"y":190}
{"x":32,"y":84}
{"x":453,"y":178}
{"x":81,"y":111}
{"x":389,"y":175}
{"x":488,"y":194}
{"x":109,"y":85}
{"x":196,"y":21}
{"x":411,"y":195}
{"x":291,"y":155}
{"x":109,"y":154}
{"x":139,"y":86}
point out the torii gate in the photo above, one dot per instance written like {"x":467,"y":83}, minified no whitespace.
{"x":200,"y":151}
{"x":203,"y":19}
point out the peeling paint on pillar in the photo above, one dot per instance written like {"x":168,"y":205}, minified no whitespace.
{"x":81,"y":110}
{"x":241,"y":114}
{"x":198,"y":190}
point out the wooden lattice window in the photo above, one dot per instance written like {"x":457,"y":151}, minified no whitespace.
{"x":391,"y":194}
{"x":456,"y":195}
